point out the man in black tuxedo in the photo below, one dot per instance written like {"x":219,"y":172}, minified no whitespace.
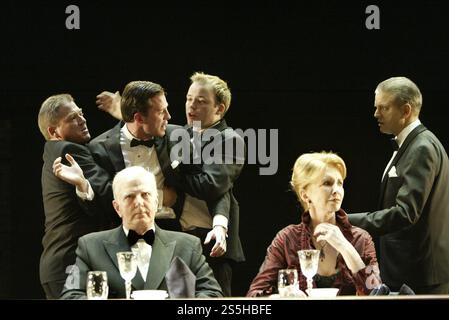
{"x":208,"y":209}
{"x":64,"y":127}
{"x":413,"y":216}
{"x":136,"y":202}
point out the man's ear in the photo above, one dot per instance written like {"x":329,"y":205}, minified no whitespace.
{"x":138,"y":118}
{"x":407,"y":110}
{"x":53,"y":132}
{"x":221,"y":109}
{"x":116,"y":207}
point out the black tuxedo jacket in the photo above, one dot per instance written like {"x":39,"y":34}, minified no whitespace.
{"x":212,"y":183}
{"x":66,"y":217}
{"x":413,"y":218}
{"x":98,"y":251}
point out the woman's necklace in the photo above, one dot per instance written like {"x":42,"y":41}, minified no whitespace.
{"x":322,"y":254}
{"x":321,"y":248}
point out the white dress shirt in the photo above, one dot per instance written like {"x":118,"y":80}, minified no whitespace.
{"x":143,"y":251}
{"x":144,"y":157}
{"x":400,"y":138}
{"x":195,"y":212}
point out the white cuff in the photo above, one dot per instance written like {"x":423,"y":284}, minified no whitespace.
{"x":89,"y":195}
{"x":220,"y":220}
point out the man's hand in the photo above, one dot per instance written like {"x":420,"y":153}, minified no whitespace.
{"x":170,"y":196}
{"x":110,"y":102}
{"x":219,"y":234}
{"x":72,"y":174}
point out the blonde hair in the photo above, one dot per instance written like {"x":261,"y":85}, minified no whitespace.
{"x":310,"y":166}
{"x":219,"y":86}
{"x":49,"y":112}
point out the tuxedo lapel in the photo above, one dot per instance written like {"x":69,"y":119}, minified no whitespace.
{"x":117,"y":243}
{"x":160,"y":144}
{"x":112,"y":146}
{"x":407,"y":142}
{"x":412,"y":135}
{"x":161,"y":257}
{"x":220,"y":126}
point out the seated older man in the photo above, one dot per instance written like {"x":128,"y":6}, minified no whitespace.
{"x":135,"y":200}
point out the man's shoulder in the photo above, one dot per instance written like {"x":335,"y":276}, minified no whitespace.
{"x":171,"y":128}
{"x":102,"y":137}
{"x":107,"y":134}
{"x":61,"y":147}
{"x":426,"y":143}
{"x":182,"y":237}
{"x":98,"y":235}
{"x":226,"y":132}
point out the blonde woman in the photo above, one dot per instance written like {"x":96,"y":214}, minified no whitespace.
{"x":348,"y":257}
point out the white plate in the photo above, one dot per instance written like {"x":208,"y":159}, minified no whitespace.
{"x":324,"y":292}
{"x":149,"y":295}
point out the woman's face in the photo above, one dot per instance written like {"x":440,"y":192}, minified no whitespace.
{"x":325,"y":195}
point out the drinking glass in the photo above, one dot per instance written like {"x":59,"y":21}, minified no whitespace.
{"x":288,"y":283}
{"x":127,"y":263}
{"x":308,"y":260}
{"x":97,"y":285}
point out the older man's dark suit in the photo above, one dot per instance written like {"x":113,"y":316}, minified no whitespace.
{"x":66,"y":217}
{"x":213,"y":183}
{"x":97,"y":251}
{"x":413,"y":219}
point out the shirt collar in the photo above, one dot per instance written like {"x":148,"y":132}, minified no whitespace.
{"x":400,"y":138}
{"x":126,"y":134}
{"x":126,"y":230}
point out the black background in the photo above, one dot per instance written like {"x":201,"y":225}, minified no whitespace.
{"x":308,"y":70}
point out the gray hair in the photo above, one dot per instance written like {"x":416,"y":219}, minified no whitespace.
{"x":134,"y":173}
{"x":49,"y":112}
{"x":404,"y":91}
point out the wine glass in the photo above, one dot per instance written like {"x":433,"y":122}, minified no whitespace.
{"x":127,"y":264}
{"x":308,"y":260}
{"x":288,"y":283}
{"x":97,"y":285}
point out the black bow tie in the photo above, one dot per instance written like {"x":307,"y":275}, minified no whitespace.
{"x":394,"y":144}
{"x":148,"y":143}
{"x":134,"y":236}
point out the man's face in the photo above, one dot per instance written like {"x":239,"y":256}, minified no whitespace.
{"x":389,"y":116}
{"x":136,"y":203}
{"x":72,"y":124}
{"x":156,"y":120}
{"x":201,"y":105}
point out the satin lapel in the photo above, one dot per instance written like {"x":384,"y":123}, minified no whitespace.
{"x":220,"y":127}
{"x":112,"y":146}
{"x":161,"y":257}
{"x":118,"y":243}
{"x":412,"y":135}
{"x":162,"y":154}
{"x":407,"y":142}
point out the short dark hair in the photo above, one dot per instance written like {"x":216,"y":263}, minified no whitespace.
{"x":135,"y":98}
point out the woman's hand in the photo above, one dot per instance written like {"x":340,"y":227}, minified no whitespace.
{"x":331,"y":234}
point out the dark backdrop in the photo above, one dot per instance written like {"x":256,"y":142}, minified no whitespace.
{"x":308,"y":70}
